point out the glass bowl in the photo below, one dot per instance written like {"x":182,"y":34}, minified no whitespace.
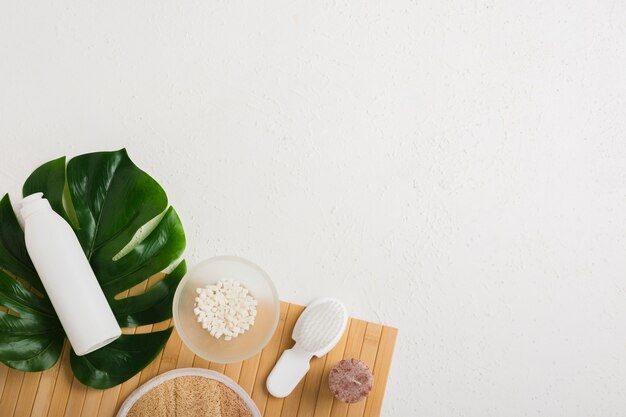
{"x":198,"y":339}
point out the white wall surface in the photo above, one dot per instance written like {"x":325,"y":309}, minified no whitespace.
{"x":454,"y":168}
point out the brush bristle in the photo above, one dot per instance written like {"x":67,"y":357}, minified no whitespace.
{"x":319,"y":325}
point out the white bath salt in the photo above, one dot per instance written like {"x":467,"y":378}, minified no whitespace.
{"x":225,"y":308}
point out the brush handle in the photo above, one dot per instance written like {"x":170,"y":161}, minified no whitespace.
{"x":288,"y":371}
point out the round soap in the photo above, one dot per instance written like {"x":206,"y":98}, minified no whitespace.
{"x":350,"y":380}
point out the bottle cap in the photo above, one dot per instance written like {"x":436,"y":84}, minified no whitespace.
{"x":33,"y":203}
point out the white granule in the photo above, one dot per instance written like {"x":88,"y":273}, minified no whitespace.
{"x":225,"y":308}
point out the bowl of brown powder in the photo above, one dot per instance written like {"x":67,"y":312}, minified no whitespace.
{"x":189,"y":392}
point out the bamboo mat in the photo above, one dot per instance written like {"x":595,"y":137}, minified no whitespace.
{"x":56,"y":393}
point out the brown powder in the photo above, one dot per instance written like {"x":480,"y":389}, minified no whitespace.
{"x":231,"y":403}
{"x":190,"y":396}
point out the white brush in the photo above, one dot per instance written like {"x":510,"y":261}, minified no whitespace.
{"x":317,"y":331}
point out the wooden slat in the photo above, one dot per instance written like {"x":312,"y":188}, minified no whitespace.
{"x":324,"y":401}
{"x":62,"y":385}
{"x":30,"y":383}
{"x":248,"y":372}
{"x":170,"y":353}
{"x":199,"y":362}
{"x":269,"y":355}
{"x":217,"y":367}
{"x":381,"y":369}
{"x":152,"y":369}
{"x":91,"y":403}
{"x":317,"y":378}
{"x":56,"y":393}
{"x":311,"y":387}
{"x":111,"y":399}
{"x":108,"y":402}
{"x":353,"y":350}
{"x":274,"y":405}
{"x":250,"y":367}
{"x":233,"y":370}
{"x":166,"y":361}
{"x":3,"y":377}
{"x":368,"y":355}
{"x":76,"y":399}
{"x":185,"y":357}
{"x":124,"y":390}
{"x":11,"y":391}
{"x":45,"y":389}
{"x":292,"y":401}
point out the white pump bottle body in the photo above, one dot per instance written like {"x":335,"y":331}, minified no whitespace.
{"x":66,"y":275}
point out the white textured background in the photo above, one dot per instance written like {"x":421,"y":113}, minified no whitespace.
{"x":453,"y":168}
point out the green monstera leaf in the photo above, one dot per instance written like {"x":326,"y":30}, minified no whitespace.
{"x":121,"y":217}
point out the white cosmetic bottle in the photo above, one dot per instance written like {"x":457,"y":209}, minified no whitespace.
{"x":67,"y":277}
